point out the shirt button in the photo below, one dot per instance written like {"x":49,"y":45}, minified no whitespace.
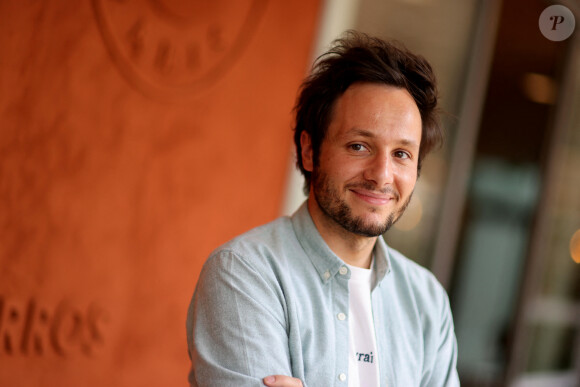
{"x":342,"y":377}
{"x":341,"y":316}
{"x":326,"y":274}
{"x":343,"y":270}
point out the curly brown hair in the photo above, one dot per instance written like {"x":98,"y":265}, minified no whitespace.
{"x":360,"y":58}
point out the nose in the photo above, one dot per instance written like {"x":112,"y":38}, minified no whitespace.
{"x":380,"y":170}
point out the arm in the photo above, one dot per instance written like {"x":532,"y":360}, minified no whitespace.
{"x":236,"y":325}
{"x":444,"y":369}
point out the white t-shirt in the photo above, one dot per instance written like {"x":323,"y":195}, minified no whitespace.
{"x":363,"y":364}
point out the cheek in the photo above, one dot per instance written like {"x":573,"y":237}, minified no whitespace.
{"x":406,"y":180}
{"x":352,"y":172}
{"x":340,"y":168}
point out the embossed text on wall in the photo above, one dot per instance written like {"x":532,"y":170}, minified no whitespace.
{"x":167,"y":48}
{"x":33,"y":328}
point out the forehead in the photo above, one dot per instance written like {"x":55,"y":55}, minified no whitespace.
{"x":377,"y":108}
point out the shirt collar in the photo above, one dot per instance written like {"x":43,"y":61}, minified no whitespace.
{"x":327,"y":263}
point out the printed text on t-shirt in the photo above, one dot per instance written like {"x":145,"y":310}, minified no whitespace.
{"x":365,"y":357}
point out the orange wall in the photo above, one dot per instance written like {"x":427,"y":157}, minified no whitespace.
{"x":135,"y":137}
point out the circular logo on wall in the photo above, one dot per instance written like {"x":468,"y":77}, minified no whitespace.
{"x":557,"y":23}
{"x":175,"y":47}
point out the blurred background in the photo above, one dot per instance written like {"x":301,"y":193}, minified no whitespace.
{"x":137,"y":136}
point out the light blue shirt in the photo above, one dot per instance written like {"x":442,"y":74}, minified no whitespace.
{"x":275,"y":301}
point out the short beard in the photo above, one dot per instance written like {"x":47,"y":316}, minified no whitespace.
{"x":336,"y":209}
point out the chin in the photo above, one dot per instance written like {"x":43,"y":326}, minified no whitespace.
{"x":374,"y":216}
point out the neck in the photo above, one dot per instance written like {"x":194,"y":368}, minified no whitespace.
{"x":353,"y":249}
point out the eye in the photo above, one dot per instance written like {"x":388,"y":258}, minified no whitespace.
{"x":357,"y":147}
{"x":402,"y":154}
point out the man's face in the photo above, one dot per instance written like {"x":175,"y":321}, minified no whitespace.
{"x":367,"y":166}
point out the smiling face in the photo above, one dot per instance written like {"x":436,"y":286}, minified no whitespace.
{"x":367,"y":165}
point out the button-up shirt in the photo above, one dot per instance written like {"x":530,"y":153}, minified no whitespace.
{"x":275,"y":301}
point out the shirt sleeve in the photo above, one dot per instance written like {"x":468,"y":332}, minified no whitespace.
{"x":443,"y":372}
{"x":236,"y":325}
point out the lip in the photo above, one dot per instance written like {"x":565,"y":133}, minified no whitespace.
{"x":372,"y":197}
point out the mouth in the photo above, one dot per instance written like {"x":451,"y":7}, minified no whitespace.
{"x":374,"y":198}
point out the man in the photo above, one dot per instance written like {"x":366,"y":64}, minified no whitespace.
{"x":318,"y":299}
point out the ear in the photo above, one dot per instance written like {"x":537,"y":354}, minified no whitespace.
{"x":306,"y":144}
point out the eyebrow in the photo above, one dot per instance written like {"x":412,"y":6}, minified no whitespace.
{"x":361,"y":132}
{"x":368,"y":134}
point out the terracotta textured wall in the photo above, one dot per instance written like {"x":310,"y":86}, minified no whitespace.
{"x":135,"y":136}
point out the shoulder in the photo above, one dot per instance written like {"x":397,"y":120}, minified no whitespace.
{"x":270,"y":239}
{"x":402,"y":265}
{"x":422,"y":285}
{"x":260,"y":249}
{"x":249,"y":265}
{"x":268,"y":235}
